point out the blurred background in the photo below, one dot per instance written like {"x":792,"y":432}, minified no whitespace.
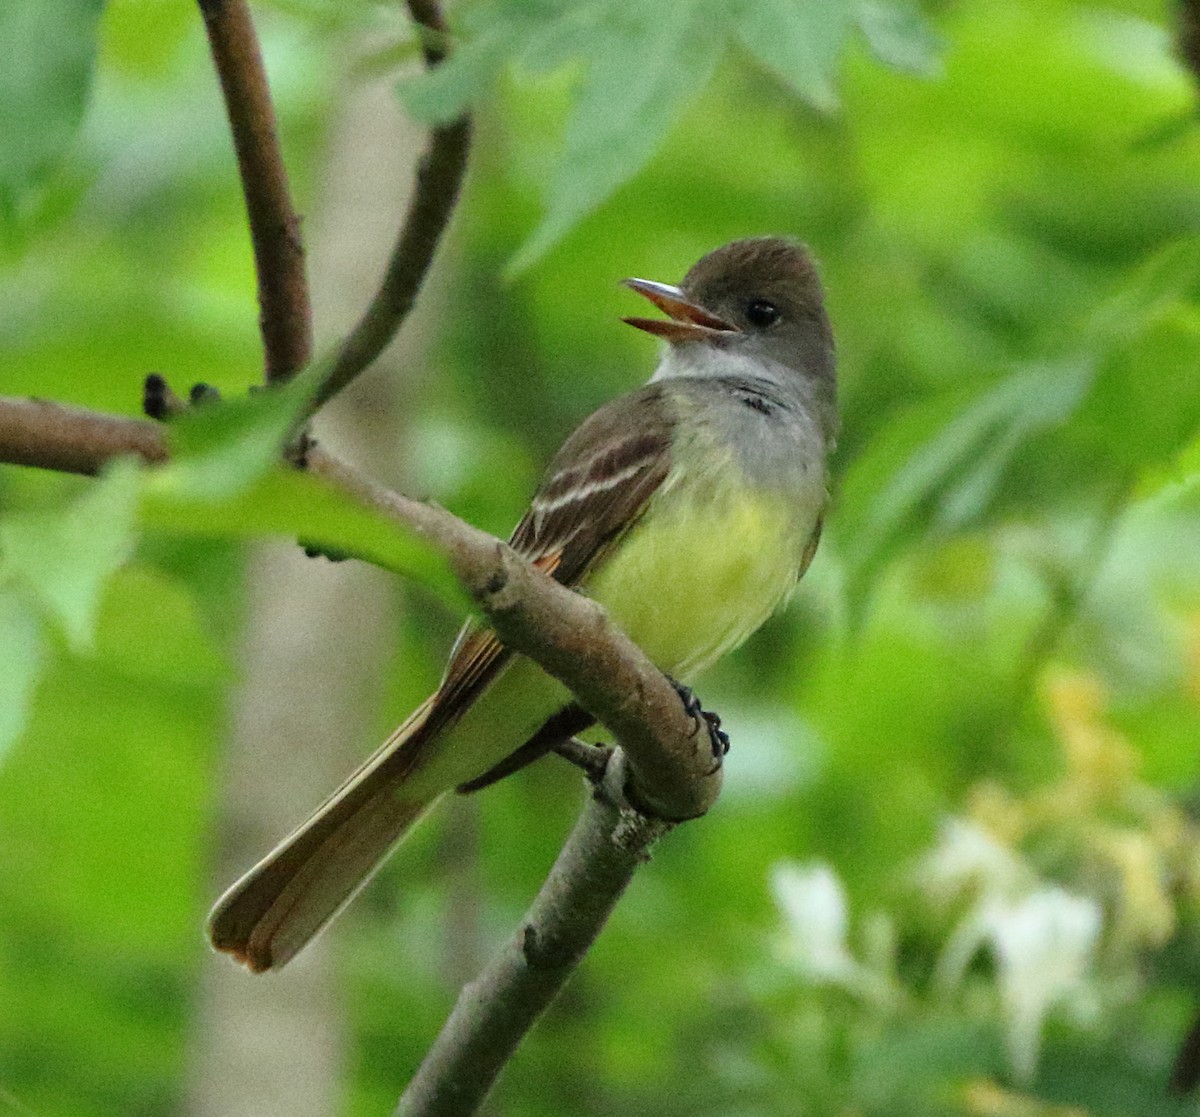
{"x":956,"y":865}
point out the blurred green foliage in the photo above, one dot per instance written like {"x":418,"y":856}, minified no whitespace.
{"x":994,"y":662}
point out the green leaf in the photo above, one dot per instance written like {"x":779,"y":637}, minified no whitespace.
{"x":442,"y":94}
{"x":1167,"y":276}
{"x":150,"y":628}
{"x":65,"y":557}
{"x":962,"y":464}
{"x":541,"y":34}
{"x":220,"y":449}
{"x":563,"y":39}
{"x":286,"y":502}
{"x":900,"y":37}
{"x":644,"y":64}
{"x":1177,"y":479}
{"x":21,"y":660}
{"x":1144,"y":405}
{"x":49,"y":49}
{"x":801,"y":41}
{"x":225,"y":481}
{"x":1119,"y":406}
{"x":942,"y":465}
{"x":1030,"y":401}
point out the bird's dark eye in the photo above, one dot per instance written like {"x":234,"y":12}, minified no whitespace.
{"x":762,"y":313}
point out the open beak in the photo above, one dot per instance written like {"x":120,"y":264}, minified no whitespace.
{"x":686,"y":322}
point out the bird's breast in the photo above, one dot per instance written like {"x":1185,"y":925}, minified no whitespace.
{"x":712,"y":557}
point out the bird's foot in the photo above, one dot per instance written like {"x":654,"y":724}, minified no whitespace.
{"x":717,"y":737}
{"x":159,"y":402}
{"x":591,"y":759}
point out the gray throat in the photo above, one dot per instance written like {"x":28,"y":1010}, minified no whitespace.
{"x":806,"y":399}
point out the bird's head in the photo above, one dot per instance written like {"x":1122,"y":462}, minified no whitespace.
{"x":758,"y":298}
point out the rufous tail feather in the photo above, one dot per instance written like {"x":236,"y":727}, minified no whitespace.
{"x":280,"y":904}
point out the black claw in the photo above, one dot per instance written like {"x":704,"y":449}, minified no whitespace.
{"x":158,"y":401}
{"x":203,"y":393}
{"x":317,"y":550}
{"x":691,"y":704}
{"x":717,"y":737}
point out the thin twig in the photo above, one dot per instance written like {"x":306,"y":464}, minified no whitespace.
{"x":499,"y":1007}
{"x":275,"y":229}
{"x":1066,"y":599}
{"x":285,"y":316}
{"x":439,"y":179}
{"x":432,"y":27}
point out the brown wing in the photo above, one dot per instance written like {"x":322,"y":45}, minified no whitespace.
{"x":594,"y":489}
{"x":597,"y":484}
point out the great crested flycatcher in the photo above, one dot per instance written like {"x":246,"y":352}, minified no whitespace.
{"x":687,"y":508}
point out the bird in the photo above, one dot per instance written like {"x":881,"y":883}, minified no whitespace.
{"x":688,"y":508}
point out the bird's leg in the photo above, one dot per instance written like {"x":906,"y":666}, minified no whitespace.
{"x":555,"y":735}
{"x":592,"y":759}
{"x":718,"y":738}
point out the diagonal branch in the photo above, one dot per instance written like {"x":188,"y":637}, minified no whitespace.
{"x":285,"y":316}
{"x":673,"y":775}
{"x":664,"y":771}
{"x":439,"y":179}
{"x":672,"y":772}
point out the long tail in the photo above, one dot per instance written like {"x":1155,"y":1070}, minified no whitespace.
{"x":280,"y":904}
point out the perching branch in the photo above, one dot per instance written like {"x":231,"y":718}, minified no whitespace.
{"x":285,"y":316}
{"x":494,"y":1012}
{"x":439,"y":178}
{"x":663,"y":772}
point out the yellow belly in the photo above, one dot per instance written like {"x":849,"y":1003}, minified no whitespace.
{"x":702,"y":570}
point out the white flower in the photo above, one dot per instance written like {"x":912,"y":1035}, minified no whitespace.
{"x":813,"y":903}
{"x":969,"y":859}
{"x":816,"y":918}
{"x":1044,"y":945}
